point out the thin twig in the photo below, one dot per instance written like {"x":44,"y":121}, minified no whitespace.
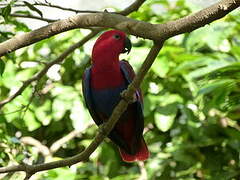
{"x":34,"y":142}
{"x":34,"y":17}
{"x":30,"y":100}
{"x":64,"y":8}
{"x":53,"y":6}
{"x":54,"y":147}
{"x":58,"y":144}
{"x":12,"y":112}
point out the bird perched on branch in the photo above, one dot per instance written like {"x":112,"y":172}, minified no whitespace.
{"x":103,"y":83}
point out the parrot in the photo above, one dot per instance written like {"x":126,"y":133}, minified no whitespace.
{"x":102,"y":85}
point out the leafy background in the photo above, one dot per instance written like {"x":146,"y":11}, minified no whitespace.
{"x":191,"y":96}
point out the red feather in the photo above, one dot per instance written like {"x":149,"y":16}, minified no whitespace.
{"x":141,"y":155}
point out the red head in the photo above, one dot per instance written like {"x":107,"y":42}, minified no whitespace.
{"x":105,"y":71}
{"x":109,"y":46}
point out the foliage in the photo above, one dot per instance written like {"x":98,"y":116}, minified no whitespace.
{"x":191,"y":98}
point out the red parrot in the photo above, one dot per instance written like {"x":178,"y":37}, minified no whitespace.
{"x":103,"y":82}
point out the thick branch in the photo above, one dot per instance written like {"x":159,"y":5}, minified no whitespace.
{"x":12,"y":168}
{"x":142,"y":29}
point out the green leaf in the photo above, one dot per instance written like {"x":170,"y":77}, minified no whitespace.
{"x":188,"y":171}
{"x":125,"y":176}
{"x":164,"y":117}
{"x":219,"y":85}
{"x":30,"y":6}
{"x":30,"y":121}
{"x":2,"y":67}
{"x":231,"y":71}
{"x":23,"y":12}
{"x":236,"y":51}
{"x":161,"y":66}
{"x":163,"y":122}
{"x":213,"y":37}
{"x":6,"y":11}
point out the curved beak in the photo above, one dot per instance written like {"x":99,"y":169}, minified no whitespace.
{"x":127,"y":45}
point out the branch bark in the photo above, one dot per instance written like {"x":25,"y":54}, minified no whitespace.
{"x":156,"y":32}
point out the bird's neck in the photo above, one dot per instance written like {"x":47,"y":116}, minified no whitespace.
{"x":106,"y":72}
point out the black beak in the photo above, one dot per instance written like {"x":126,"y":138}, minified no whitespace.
{"x":127,"y":45}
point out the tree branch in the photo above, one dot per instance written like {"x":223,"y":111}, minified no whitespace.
{"x":57,"y":145}
{"x":41,"y":148}
{"x":33,"y":17}
{"x":157,"y":32}
{"x":52,"y":6}
{"x":133,"y":7}
{"x":54,"y":147}
{"x":63,"y":8}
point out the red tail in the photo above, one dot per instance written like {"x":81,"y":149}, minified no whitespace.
{"x":141,"y":155}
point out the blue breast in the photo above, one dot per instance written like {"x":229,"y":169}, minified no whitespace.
{"x":105,"y":100}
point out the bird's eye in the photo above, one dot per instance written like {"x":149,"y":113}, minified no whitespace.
{"x":116,"y":36}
